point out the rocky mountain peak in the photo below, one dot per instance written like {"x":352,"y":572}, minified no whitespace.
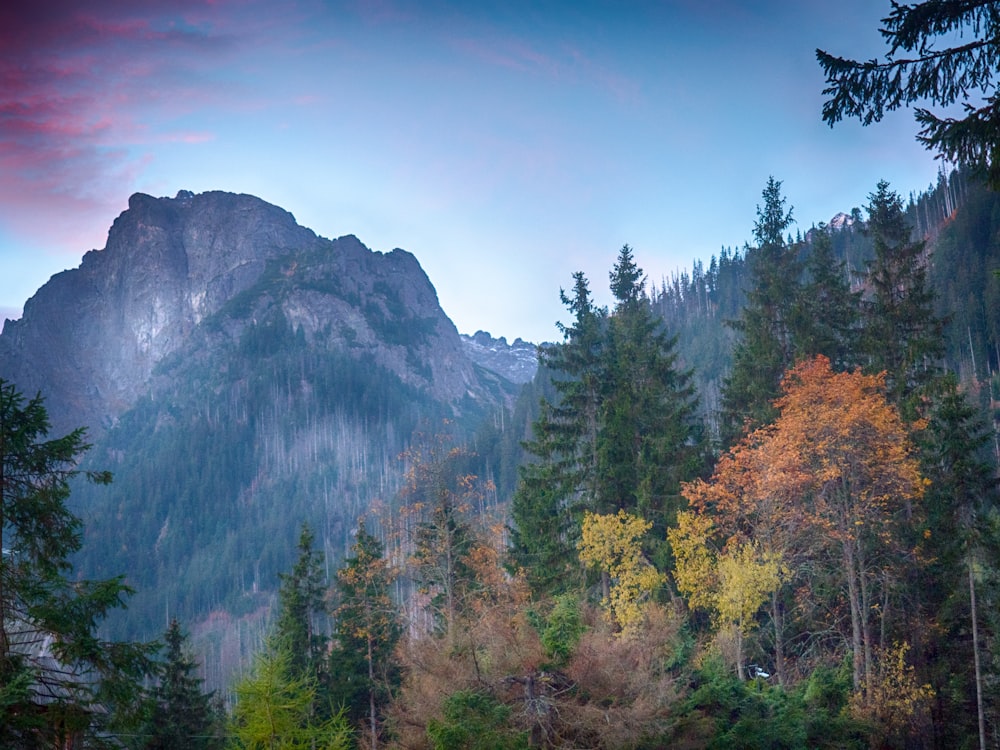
{"x":518,"y":362}
{"x":179,"y":276}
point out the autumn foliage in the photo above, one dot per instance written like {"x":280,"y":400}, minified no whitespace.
{"x":827,"y":493}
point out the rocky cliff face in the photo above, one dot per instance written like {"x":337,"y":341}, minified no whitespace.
{"x":178,"y":275}
{"x":518,"y":362}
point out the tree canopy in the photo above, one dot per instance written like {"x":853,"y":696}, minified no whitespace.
{"x":942,"y":53}
{"x":52,"y":660}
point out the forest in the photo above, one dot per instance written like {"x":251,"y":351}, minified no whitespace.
{"x":810,"y":562}
{"x":754,"y":505}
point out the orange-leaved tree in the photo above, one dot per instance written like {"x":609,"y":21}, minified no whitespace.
{"x":833,"y":479}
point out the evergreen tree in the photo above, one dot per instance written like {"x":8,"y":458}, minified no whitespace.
{"x":561,"y":470}
{"x":368,"y":628}
{"x":826,"y":311}
{"x":902,"y":335}
{"x":48,"y":621}
{"x":181,"y":715}
{"x":302,"y":613}
{"x":274,"y":708}
{"x":621,"y":433}
{"x":917,"y":68}
{"x":648,"y":441}
{"x":765,"y":347}
{"x":961,"y":502}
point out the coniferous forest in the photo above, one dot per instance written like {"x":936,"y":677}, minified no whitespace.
{"x":751,"y":505}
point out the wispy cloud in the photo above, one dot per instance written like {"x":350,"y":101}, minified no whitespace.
{"x":85,"y":88}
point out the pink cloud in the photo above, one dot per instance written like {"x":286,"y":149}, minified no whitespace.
{"x":85,"y":85}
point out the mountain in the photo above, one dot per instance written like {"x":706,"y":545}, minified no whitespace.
{"x":240,"y":376}
{"x":518,"y":362}
{"x":179,"y":276}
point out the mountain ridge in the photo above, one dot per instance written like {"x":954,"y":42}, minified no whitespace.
{"x":91,"y":337}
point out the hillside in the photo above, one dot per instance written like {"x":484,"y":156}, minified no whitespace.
{"x":240,"y":376}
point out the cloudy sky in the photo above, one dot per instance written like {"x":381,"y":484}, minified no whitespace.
{"x":505,"y":144}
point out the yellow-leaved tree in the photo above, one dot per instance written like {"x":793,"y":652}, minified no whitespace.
{"x":733,"y":585}
{"x":612,"y":544}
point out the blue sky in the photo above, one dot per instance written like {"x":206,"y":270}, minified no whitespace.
{"x":505,"y":144}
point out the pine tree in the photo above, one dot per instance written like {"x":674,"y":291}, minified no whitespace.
{"x":561,"y":471}
{"x":962,"y":500}
{"x":649,"y":439}
{"x":826,"y":311}
{"x":181,"y":715}
{"x":765,"y":347}
{"x":902,"y":334}
{"x":48,"y":620}
{"x":918,"y":68}
{"x":621,"y":434}
{"x":302,"y":613}
{"x":368,"y":628}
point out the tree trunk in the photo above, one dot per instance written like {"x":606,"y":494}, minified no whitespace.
{"x":371,"y":693}
{"x":975,"y":655}
{"x":741,"y":673}
{"x":866,"y":630}
{"x":854,"y":599}
{"x":778,"y":619}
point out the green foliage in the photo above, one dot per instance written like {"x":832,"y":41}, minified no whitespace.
{"x":474,"y":721}
{"x":620,"y":433}
{"x":49,"y":641}
{"x":302,"y":613}
{"x":364,"y":669}
{"x":725,"y":712}
{"x":918,"y":68}
{"x":273,"y":709}
{"x":560,"y":633}
{"x":180,"y":714}
{"x":764,"y":347}
{"x":826,"y":311}
{"x":902,"y":335}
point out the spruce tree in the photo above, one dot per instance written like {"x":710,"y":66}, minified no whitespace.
{"x":764,"y":349}
{"x":49,"y":645}
{"x":302,"y":612}
{"x":621,"y":433}
{"x":368,"y":628}
{"x":560,"y":473}
{"x":959,"y":540}
{"x":942,"y":52}
{"x":649,"y":438}
{"x":181,"y":715}
{"x":901,"y":332}
{"x":826,"y":313}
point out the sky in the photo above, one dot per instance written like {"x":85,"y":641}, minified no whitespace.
{"x":506,"y":145}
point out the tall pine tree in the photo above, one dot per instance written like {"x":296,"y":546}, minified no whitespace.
{"x":561,"y":471}
{"x":368,"y":627}
{"x":621,"y":434}
{"x":826,"y":311}
{"x":902,"y":334}
{"x":181,"y":715}
{"x":59,"y":681}
{"x":765,"y":346}
{"x":302,"y":613}
{"x":649,"y":439}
